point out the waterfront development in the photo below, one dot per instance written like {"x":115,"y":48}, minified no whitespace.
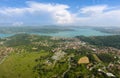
{"x":59,"y":38}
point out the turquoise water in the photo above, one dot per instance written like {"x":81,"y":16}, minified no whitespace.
{"x":5,"y":35}
{"x":76,"y":32}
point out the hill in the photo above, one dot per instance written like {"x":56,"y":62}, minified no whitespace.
{"x":34,"y":56}
{"x":109,"y":41}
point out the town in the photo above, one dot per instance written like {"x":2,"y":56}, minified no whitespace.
{"x":65,"y":57}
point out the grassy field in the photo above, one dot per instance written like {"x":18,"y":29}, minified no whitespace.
{"x":20,"y":65}
{"x":47,"y":58}
{"x":96,"y":58}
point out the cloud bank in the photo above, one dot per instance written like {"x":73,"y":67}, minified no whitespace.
{"x":60,"y":14}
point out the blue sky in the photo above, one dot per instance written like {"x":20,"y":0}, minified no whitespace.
{"x":73,"y":3}
{"x":60,"y":12}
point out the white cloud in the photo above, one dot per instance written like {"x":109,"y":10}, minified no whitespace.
{"x":12,"y":11}
{"x":58,"y":12}
{"x":17,"y":24}
{"x":93,"y":10}
{"x":99,"y":15}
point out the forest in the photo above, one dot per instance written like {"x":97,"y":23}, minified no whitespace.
{"x":108,"y":41}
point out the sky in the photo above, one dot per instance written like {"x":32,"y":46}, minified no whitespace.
{"x":60,"y":12}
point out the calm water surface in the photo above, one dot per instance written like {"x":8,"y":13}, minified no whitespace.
{"x":76,"y":32}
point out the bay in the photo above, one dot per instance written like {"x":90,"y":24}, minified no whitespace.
{"x":75,"y":32}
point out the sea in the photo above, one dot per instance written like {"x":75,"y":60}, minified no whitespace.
{"x":77,"y":32}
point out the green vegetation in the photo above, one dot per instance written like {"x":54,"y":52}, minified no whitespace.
{"x":20,"y":65}
{"x":109,"y":41}
{"x":21,"y":39}
{"x":105,"y":57}
{"x":96,"y":58}
{"x":33,"y":56}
